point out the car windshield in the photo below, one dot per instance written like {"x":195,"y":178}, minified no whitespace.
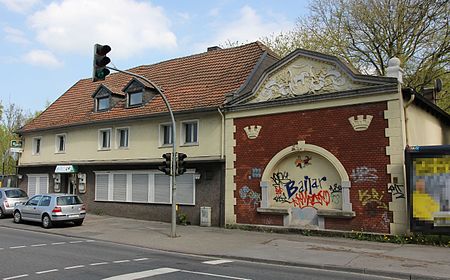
{"x":15,"y":193}
{"x":68,"y":200}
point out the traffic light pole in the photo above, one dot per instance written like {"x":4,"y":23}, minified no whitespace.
{"x":173,"y":163}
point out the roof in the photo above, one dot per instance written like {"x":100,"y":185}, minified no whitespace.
{"x":190,"y":83}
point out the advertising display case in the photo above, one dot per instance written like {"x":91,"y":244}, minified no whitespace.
{"x":428,"y":181}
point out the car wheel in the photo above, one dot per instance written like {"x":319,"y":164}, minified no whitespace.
{"x":17,"y":217}
{"x":46,"y":221}
{"x":2,"y":214}
{"x":78,"y":222}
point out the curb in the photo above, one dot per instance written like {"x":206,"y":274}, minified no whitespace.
{"x":364,"y":271}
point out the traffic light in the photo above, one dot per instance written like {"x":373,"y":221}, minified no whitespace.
{"x":181,"y":168}
{"x":100,"y":62}
{"x":166,"y":164}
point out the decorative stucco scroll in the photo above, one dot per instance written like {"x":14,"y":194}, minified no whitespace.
{"x":302,"y":77}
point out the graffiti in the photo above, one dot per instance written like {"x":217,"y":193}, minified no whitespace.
{"x":396,"y":190}
{"x":256,"y":172}
{"x":304,"y":193}
{"x":336,"y":193}
{"x":249,"y":196}
{"x":364,"y":174}
{"x":302,"y":163}
{"x":372,"y":199}
{"x":303,"y":199}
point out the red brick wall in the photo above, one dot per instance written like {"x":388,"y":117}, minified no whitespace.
{"x":330,"y":129}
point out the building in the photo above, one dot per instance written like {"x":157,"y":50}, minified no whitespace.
{"x":104,"y":140}
{"x":313,"y":144}
{"x":303,"y":141}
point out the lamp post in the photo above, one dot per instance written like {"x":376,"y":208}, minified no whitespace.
{"x":173,"y":168}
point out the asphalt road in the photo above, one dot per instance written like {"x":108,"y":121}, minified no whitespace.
{"x":32,"y":255}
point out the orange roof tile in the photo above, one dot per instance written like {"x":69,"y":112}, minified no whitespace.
{"x":189,"y":83}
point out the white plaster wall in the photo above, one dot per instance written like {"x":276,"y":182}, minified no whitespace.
{"x":144,"y":143}
{"x":425,"y":129}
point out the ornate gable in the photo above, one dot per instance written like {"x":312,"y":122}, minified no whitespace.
{"x":308,"y":73}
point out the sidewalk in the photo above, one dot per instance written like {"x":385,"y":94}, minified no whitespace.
{"x":404,"y":261}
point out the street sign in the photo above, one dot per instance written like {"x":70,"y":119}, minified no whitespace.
{"x":16,"y":143}
{"x":15,"y":150}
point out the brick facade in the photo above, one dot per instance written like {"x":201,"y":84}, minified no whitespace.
{"x":330,"y":129}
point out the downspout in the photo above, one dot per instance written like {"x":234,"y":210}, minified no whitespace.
{"x":222,"y":134}
{"x":411,"y":99}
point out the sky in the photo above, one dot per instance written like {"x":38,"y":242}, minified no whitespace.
{"x":47,"y":46}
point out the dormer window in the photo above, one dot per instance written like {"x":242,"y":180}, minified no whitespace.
{"x":105,"y":99}
{"x":137,"y":93}
{"x":102,"y":103}
{"x":135,"y":98}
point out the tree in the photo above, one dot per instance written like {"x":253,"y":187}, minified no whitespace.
{"x":367,"y":33}
{"x":13,"y":117}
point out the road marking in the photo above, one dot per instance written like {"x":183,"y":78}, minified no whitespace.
{"x":47,"y":271}
{"x":214,"y":262}
{"x":75,"y":242}
{"x":38,"y":245}
{"x":100,"y":263}
{"x":214,"y":275}
{"x":143,"y":274}
{"x":17,"y":247}
{"x":138,"y":260}
{"x":89,"y":240}
{"x":58,"y":243}
{"x":75,"y":266}
{"x":16,"y":277}
{"x":121,"y":261}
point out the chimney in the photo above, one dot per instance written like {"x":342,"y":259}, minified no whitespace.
{"x":214,"y":48}
{"x":394,"y":70}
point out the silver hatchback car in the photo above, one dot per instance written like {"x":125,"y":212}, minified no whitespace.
{"x":9,"y":197}
{"x":50,"y":209}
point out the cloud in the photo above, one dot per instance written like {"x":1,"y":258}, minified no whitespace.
{"x":128,"y":26}
{"x":42,"y":58}
{"x":19,"y":6}
{"x":15,"y":35}
{"x":249,"y":26}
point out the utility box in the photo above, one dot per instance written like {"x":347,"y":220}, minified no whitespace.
{"x":205,"y":216}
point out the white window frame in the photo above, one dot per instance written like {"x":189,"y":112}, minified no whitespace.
{"x":183,"y":133}
{"x":38,"y":187}
{"x":118,"y":137}
{"x":100,"y":139}
{"x":161,"y":134}
{"x":57,"y":142}
{"x":34,"y":146}
{"x":151,"y":186}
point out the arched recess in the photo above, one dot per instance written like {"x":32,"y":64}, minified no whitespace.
{"x":301,"y":146}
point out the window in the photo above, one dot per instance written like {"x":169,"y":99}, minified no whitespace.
{"x":45,"y":201}
{"x":104,"y":139}
{"x":122,"y":137}
{"x":60,"y":143}
{"x":143,"y":187}
{"x":34,"y":201}
{"x":135,"y":98}
{"x":166,"y":134}
{"x":189,"y":133}
{"x":36,"y":149}
{"x":102,"y":103}
{"x":37,"y":184}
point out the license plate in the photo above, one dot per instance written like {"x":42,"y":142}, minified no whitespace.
{"x":74,"y":216}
